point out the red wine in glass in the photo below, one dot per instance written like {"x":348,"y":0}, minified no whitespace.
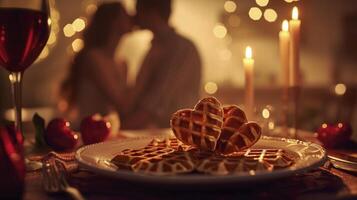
{"x":24,"y":31}
{"x":23,"y":35}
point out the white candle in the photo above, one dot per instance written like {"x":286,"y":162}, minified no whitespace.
{"x":284,"y":40}
{"x":248,"y":63}
{"x":294,"y":71}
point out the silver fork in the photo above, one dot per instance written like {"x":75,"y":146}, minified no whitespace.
{"x":54,"y":179}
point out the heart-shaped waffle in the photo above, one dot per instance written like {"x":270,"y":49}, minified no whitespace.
{"x":209,"y":127}
{"x":200,"y":127}
{"x":237,"y":133}
{"x":250,"y":160}
{"x":159,"y":157}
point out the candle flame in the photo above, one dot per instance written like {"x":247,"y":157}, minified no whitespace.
{"x":248,"y":52}
{"x":285,"y":25}
{"x":295,"y":14}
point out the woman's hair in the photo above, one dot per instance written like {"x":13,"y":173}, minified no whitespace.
{"x":96,"y":35}
{"x":99,"y":29}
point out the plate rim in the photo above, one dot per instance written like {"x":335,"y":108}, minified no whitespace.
{"x":199,"y":179}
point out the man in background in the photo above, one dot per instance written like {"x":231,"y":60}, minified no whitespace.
{"x":170,"y":76}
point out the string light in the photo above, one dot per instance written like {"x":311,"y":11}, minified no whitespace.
{"x":68,"y":30}
{"x":265,"y":113}
{"x":211,"y":87}
{"x":340,"y":89}
{"x":255,"y":13}
{"x":77,"y":45}
{"x":230,"y":6}
{"x":78,"y":24}
{"x":270,"y":15}
{"x":262,"y":3}
{"x":220,"y":31}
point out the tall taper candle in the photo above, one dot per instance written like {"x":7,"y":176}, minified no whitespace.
{"x":248,"y":63}
{"x":284,"y":40}
{"x":294,"y":71}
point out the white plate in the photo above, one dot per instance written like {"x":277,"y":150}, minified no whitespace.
{"x":96,"y":158}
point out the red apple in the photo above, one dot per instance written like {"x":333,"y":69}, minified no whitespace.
{"x":334,"y":135}
{"x":94,"y":129}
{"x":60,"y":136}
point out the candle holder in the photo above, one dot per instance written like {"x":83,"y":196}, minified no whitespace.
{"x":294,"y":92}
{"x":285,"y":111}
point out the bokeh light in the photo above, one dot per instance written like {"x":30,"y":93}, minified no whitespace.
{"x":271,"y":125}
{"x":211,"y":87}
{"x":77,"y":45}
{"x":44,"y":53}
{"x":91,"y":8}
{"x":340,"y":89}
{"x":262,"y":3}
{"x":234,"y":20}
{"x":266,"y":113}
{"x":230,"y":6}
{"x":68,"y":30}
{"x":255,"y":13}
{"x":78,"y":24}
{"x":270,"y":15}
{"x":52,"y":38}
{"x":289,"y":1}
{"x":220,"y":31}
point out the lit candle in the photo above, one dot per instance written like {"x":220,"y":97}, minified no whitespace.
{"x":284,"y":40}
{"x":248,"y":63}
{"x":294,"y":71}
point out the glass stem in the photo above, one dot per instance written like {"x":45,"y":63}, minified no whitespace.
{"x":16,"y":83}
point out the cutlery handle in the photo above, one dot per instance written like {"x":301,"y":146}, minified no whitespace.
{"x":74,"y":193}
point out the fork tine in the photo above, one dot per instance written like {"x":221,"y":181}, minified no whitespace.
{"x":49,"y":178}
{"x":54,"y":178}
{"x":62,"y":173}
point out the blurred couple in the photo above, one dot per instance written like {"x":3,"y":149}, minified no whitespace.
{"x":169,"y":78}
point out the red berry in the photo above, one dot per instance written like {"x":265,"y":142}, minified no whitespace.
{"x":60,"y":136}
{"x":94,"y":129}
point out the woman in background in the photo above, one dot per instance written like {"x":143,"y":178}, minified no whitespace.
{"x":96,"y":83}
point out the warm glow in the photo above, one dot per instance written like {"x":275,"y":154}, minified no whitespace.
{"x":255,"y":13}
{"x":91,"y":8}
{"x":211,"y":87}
{"x":52,"y":38}
{"x":225,"y":54}
{"x":324,"y":125}
{"x":234,"y":20}
{"x":77,"y":45}
{"x":265,"y":113}
{"x":49,"y":21}
{"x":248,"y":52}
{"x":68,"y":30}
{"x":262,"y":3}
{"x":340,"y":89}
{"x":285,"y":26}
{"x":271,"y":125}
{"x":289,"y":1}
{"x":220,"y":31}
{"x":78,"y":24}
{"x":230,"y":6}
{"x":295,"y":13}
{"x":44,"y":53}
{"x":270,"y":15}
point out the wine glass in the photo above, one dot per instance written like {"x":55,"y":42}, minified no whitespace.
{"x":24,"y":31}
